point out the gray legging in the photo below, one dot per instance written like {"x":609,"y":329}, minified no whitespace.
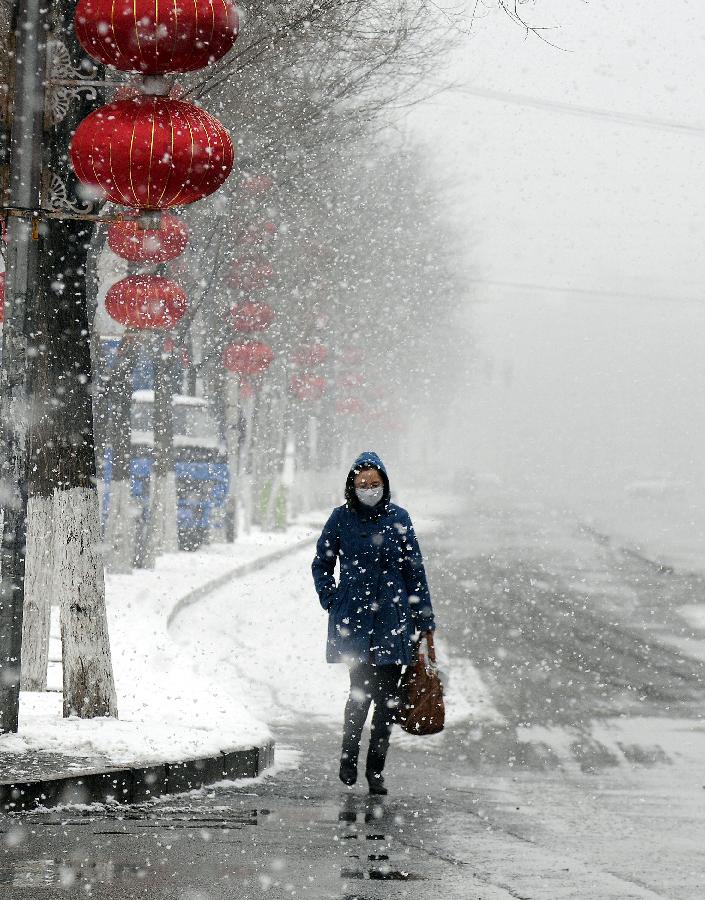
{"x":370,"y":683}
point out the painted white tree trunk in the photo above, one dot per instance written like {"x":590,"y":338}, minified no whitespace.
{"x":79,"y":585}
{"x":270,"y":514}
{"x":120,"y":529}
{"x":232,"y":416}
{"x":245,"y":488}
{"x":37,"y":593}
{"x":163,"y":536}
{"x":216,"y":525}
{"x":312,"y":443}
{"x":289,"y":477}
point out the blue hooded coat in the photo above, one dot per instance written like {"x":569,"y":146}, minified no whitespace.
{"x":382,"y":596}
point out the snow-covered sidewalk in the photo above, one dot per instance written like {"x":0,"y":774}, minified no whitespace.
{"x":167,"y":710}
{"x":198,"y":679}
{"x":265,"y":636}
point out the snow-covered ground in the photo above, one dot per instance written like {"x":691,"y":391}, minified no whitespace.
{"x":663,"y":521}
{"x":265,"y":635}
{"x":167,"y":709}
{"x":665,"y":527}
{"x":246,"y":657}
{"x":252,"y":653}
{"x":660,"y":519}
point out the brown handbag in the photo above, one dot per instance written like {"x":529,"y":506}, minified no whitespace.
{"x":421,"y":706}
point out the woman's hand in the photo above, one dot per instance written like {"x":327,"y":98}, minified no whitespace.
{"x":429,"y":641}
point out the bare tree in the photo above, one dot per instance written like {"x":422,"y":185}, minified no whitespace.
{"x":304,"y":93}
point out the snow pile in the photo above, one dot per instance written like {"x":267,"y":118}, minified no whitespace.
{"x":156,"y":681}
{"x":168,"y":710}
{"x":665,"y":527}
{"x":265,"y":634}
{"x":694,"y":615}
{"x":664,"y":522}
{"x":121,"y":741}
{"x":250,"y":653}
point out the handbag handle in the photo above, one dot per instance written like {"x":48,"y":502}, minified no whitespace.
{"x":424,"y":659}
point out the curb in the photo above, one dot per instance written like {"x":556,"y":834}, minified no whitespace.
{"x":136,"y":784}
{"x":616,"y":542}
{"x":245,"y":569}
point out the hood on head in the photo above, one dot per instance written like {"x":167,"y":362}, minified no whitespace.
{"x":366,"y":460}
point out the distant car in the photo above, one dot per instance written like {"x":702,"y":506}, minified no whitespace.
{"x":655,"y":487}
{"x":200,"y":464}
{"x":487,"y":480}
{"x":464,"y":481}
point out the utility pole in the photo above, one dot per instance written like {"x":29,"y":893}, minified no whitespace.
{"x":21,"y":209}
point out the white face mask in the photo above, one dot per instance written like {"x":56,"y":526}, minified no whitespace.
{"x":369,"y":496}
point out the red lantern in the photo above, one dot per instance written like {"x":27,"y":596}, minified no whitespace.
{"x":352,"y":382}
{"x":319,"y":319}
{"x":130,"y":240}
{"x":320,"y":250}
{"x":146,"y":301}
{"x":248,"y":358}
{"x":170,"y":348}
{"x":255,"y":185}
{"x":350,"y":407}
{"x":152,"y":38}
{"x":310,"y":356}
{"x":247,"y":389}
{"x":308,"y":387}
{"x":251,"y":274}
{"x":252,"y":316}
{"x":152,"y":152}
{"x":255,"y":235}
{"x":351,"y":356}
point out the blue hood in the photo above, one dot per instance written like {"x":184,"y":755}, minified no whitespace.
{"x":366,"y":460}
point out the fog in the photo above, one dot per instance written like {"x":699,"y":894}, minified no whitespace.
{"x":582,"y":398}
{"x":583,"y":229}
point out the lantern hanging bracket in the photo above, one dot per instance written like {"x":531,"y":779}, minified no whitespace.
{"x":65,"y":82}
{"x":37,"y":215}
{"x":57,"y":199}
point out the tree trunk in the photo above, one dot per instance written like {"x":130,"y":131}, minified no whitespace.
{"x":162,"y":534}
{"x":120,"y":528}
{"x":79,"y":586}
{"x":233,"y":437}
{"x":244,"y":479}
{"x":274,"y":513}
{"x":38,"y":593}
{"x":65,"y":464}
{"x":296,"y":497}
{"x":21,"y":302}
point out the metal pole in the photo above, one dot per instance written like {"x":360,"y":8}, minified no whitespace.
{"x":26,"y":135}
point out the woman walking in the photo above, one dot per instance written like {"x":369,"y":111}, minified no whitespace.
{"x":379,"y":608}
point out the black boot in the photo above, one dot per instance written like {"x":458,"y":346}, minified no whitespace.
{"x":348,"y":770}
{"x":376,"y":783}
{"x":373,"y":773}
{"x":355,"y":715}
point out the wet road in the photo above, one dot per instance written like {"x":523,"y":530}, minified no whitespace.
{"x":586,"y":781}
